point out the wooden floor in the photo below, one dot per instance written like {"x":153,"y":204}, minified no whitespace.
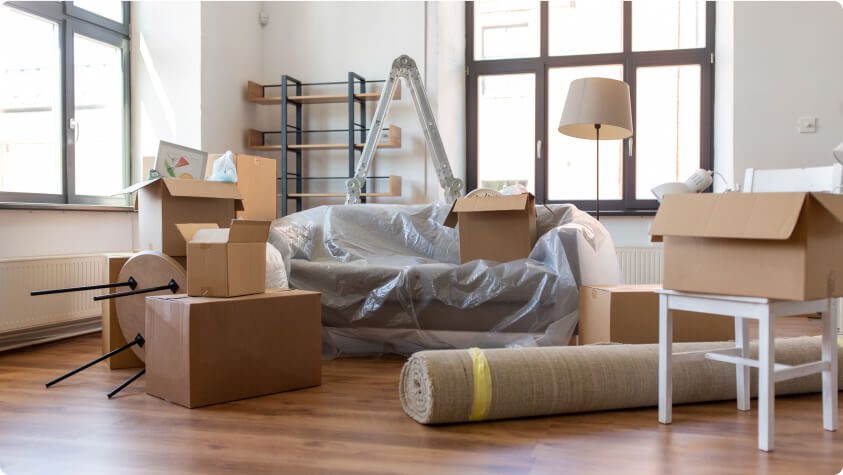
{"x":353,"y":423}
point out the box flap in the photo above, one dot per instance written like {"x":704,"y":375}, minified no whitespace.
{"x":137,"y":186}
{"x":831,"y":202}
{"x":492,"y":203}
{"x":202,"y":189}
{"x":188,"y":230}
{"x":246,"y":230}
{"x":729,"y":215}
{"x":210,"y":236}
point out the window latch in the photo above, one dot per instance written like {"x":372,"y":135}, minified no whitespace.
{"x":74,"y":126}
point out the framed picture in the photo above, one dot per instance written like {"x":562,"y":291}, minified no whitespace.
{"x":176,"y":161}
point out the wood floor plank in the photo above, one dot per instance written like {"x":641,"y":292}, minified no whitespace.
{"x":353,"y":424}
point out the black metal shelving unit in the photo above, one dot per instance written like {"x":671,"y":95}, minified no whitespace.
{"x":292,"y":133}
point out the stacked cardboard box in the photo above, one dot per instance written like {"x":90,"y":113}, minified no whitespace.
{"x":775,"y":245}
{"x":228,"y":338}
{"x":630,"y":314}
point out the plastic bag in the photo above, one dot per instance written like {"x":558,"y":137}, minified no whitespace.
{"x":224,"y":168}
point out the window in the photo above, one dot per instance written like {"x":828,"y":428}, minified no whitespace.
{"x":523,"y":56}
{"x":64,"y":102}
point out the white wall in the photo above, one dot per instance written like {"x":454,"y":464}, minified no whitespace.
{"x":166,"y":76}
{"x":231,"y":55}
{"x":29,"y":233}
{"x":788,"y":62}
{"x":322,"y":41}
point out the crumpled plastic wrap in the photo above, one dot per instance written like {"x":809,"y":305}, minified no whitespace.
{"x":391,"y":281}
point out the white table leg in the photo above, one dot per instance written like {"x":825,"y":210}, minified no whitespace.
{"x":766,"y":383}
{"x":742,"y":371}
{"x":829,"y":376}
{"x":665,"y":361}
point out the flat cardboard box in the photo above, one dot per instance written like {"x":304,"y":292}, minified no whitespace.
{"x":775,"y":245}
{"x":202,"y":351}
{"x":498,"y":228}
{"x":256,"y":179}
{"x":164,"y":202}
{"x":226,"y":262}
{"x":630,"y":314}
{"x":112,"y":337}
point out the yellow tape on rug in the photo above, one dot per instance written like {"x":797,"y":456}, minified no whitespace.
{"x":482,"y":385}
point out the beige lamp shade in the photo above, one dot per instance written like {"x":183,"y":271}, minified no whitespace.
{"x":597,"y":101}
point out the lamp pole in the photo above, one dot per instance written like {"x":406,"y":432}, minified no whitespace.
{"x":597,"y":141}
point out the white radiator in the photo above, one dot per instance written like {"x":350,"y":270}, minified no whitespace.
{"x":22,"y":314}
{"x":644,"y":265}
{"x":641,"y":265}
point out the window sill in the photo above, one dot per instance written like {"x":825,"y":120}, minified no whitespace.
{"x":65,"y":207}
{"x":608,"y":213}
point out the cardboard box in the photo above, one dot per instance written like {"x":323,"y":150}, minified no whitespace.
{"x":498,"y":228}
{"x":112,"y":337}
{"x":226,"y":262}
{"x":630,"y":314}
{"x":164,"y":202}
{"x":774,"y":245}
{"x":256,"y":179}
{"x":202,"y":351}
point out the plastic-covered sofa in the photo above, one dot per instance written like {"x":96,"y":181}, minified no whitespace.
{"x":391,"y":281}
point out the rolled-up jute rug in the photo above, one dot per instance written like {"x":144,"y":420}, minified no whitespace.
{"x":474,"y":385}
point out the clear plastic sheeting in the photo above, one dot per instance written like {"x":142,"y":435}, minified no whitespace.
{"x":391,"y":281}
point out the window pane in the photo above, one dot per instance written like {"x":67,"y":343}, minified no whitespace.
{"x":667,"y":122}
{"x":111,"y":9}
{"x":667,"y":25}
{"x":585,"y":27}
{"x":506,"y":130}
{"x":30,"y":104}
{"x":98,"y":73}
{"x":571,"y":167}
{"x":506,"y":29}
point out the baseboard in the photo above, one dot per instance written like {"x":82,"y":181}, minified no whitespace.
{"x":48,"y":333}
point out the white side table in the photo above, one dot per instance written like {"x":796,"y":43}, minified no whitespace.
{"x":742,"y":309}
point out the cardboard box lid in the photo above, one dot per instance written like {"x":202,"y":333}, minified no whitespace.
{"x":241,"y":230}
{"x":737,"y":215}
{"x":194,"y":189}
{"x":488,"y":203}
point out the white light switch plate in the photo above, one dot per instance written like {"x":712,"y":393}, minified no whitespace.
{"x":807,"y":125}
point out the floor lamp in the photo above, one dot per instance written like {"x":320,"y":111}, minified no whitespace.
{"x":597,"y":108}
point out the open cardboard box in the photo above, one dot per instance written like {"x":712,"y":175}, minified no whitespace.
{"x":775,"y":245}
{"x":498,"y":228}
{"x":163,"y":202}
{"x":226,"y":262}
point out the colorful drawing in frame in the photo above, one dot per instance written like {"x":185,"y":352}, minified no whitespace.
{"x":177,"y":161}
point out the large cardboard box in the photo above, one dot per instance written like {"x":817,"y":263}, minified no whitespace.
{"x":202,"y":351}
{"x":226,"y":262}
{"x":498,"y":228}
{"x":164,"y":202}
{"x":256,"y":179}
{"x":774,"y":245}
{"x":630,"y":314}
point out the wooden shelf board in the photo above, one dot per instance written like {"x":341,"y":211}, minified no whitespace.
{"x":334,"y":195}
{"x":254,"y":140}
{"x":394,"y":190}
{"x":271,"y":100}
{"x":253,"y":91}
